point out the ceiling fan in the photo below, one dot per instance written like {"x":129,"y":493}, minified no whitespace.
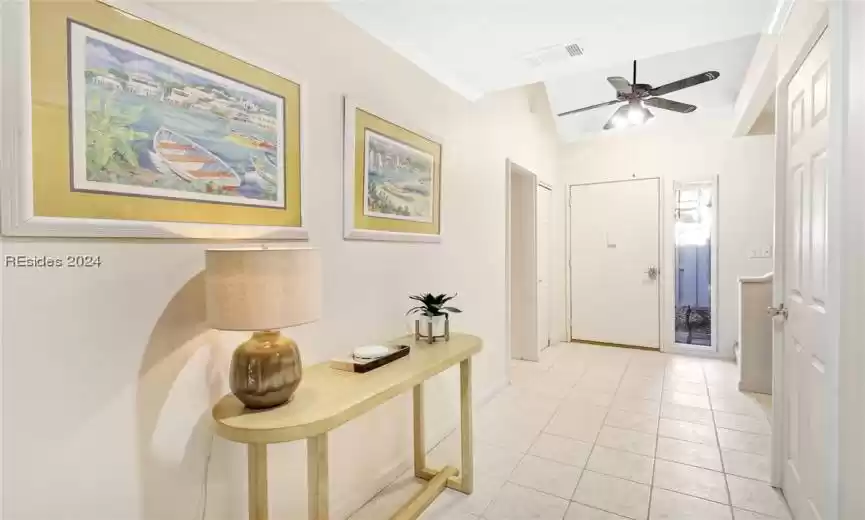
{"x":638,"y":95}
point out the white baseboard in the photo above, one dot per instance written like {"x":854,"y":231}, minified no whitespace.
{"x":697,"y":351}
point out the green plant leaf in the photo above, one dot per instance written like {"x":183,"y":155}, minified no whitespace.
{"x":432,"y":304}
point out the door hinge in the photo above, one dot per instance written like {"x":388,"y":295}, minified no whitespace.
{"x":780,"y":312}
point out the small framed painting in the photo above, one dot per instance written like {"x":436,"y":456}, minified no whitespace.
{"x":392,"y":185}
{"x":125,"y":128}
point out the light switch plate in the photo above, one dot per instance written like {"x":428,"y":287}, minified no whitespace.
{"x":763,"y":252}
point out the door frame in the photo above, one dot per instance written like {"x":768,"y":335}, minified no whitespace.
{"x":539,"y":185}
{"x":513,"y":169}
{"x":849,"y":22}
{"x":661,"y":256}
{"x":668,"y":311}
{"x":841,"y":190}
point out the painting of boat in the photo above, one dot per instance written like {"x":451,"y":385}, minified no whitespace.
{"x":271,"y":159}
{"x":398,"y":178}
{"x":145,"y":124}
{"x":251,"y":141}
{"x":192,"y":162}
{"x":265,"y":170}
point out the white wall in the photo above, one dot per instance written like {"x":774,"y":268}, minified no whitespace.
{"x":745,"y":167}
{"x":110,"y":373}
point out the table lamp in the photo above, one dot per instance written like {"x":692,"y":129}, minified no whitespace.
{"x":263,"y":290}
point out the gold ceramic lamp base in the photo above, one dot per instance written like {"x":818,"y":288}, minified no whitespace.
{"x":265,"y":370}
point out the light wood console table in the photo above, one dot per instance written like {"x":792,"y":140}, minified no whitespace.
{"x":328,"y":398}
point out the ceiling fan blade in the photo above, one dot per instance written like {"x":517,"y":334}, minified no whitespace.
{"x":622,"y":112}
{"x":584,"y":109}
{"x":685,"y":83}
{"x":669,"y":104}
{"x":620,"y":84}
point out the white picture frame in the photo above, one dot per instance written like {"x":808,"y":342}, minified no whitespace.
{"x":350,"y":232}
{"x":17,"y":216}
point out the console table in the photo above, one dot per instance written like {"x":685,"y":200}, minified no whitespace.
{"x":328,"y":398}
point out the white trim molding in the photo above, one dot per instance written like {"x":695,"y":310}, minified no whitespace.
{"x":17,"y":214}
{"x":848,"y":22}
{"x":668,"y":309}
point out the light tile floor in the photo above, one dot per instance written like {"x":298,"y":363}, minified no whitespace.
{"x":599,"y":433}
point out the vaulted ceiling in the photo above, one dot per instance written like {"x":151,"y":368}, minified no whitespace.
{"x":479,"y":46}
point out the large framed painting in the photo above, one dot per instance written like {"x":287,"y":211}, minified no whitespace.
{"x":127,"y":128}
{"x":392,"y":185}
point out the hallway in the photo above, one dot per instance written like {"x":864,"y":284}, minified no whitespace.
{"x":599,"y":433}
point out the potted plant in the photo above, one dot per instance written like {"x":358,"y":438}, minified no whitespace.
{"x":432,"y":322}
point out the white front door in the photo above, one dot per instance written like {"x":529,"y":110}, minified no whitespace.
{"x":614,"y":246}
{"x":543,"y":247}
{"x":807,"y":348}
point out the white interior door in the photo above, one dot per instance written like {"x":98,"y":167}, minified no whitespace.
{"x":614,"y":247}
{"x":807,"y":350}
{"x":544,"y":204}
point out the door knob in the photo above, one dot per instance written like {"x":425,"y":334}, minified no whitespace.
{"x":779,"y":312}
{"x":653,"y":272}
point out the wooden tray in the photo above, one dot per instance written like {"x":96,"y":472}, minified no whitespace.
{"x":350,"y":364}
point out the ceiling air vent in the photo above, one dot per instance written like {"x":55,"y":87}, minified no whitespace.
{"x":553,"y":55}
{"x":574,"y":50}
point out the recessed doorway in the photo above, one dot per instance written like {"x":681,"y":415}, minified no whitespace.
{"x":527,"y":316}
{"x":614,"y":262}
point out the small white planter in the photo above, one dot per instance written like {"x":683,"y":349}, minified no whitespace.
{"x":432,"y":328}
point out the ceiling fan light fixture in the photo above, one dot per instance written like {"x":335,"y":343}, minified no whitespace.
{"x":637,"y":113}
{"x":632,"y":99}
{"x":620,"y":121}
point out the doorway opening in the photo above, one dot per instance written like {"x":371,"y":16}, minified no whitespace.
{"x":524,"y":331}
{"x":695,"y":264}
{"x":544,"y":256}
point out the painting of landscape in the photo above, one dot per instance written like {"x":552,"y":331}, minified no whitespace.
{"x":398,"y":180}
{"x":146,"y":124}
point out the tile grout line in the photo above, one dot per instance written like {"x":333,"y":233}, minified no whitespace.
{"x":657,"y":441}
{"x":595,"y":441}
{"x":523,"y":455}
{"x":720,"y":452}
{"x":630,"y":360}
{"x":609,"y":409}
{"x":526,"y":453}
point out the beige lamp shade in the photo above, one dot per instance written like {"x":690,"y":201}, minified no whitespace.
{"x":262,"y":289}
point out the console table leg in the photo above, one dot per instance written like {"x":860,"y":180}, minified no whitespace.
{"x":466,"y":435}
{"x":419,"y":437}
{"x":317,"y":478}
{"x":257,"y":473}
